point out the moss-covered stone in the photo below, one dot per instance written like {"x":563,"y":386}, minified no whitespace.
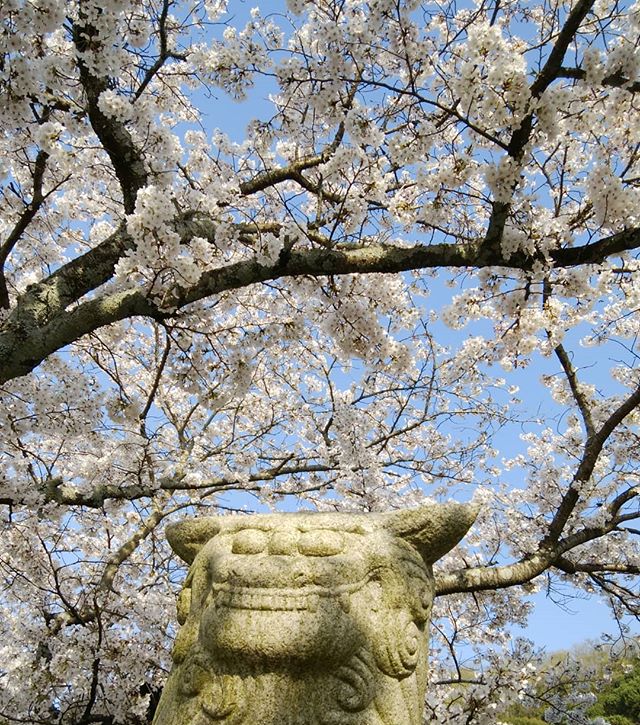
{"x":304,"y":619}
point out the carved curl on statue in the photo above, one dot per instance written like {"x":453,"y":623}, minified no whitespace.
{"x":306,"y":619}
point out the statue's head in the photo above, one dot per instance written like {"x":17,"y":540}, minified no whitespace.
{"x":308,"y":587}
{"x":306,"y":594}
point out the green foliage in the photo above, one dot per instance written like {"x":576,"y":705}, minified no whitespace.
{"x":619,"y":700}
{"x":616,"y":686}
{"x":519,"y":714}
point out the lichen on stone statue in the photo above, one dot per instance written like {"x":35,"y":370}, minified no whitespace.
{"x":307,"y":618}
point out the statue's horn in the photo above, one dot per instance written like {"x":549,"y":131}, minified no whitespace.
{"x":434,"y":529}
{"x":189,"y":536}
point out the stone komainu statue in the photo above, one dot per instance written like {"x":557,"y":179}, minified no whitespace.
{"x":306,"y":619}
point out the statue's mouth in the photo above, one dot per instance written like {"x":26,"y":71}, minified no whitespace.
{"x":265,"y":600}
{"x":282,"y":600}
{"x":282,"y":625}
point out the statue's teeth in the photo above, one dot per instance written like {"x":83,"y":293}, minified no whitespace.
{"x":312,"y":602}
{"x":263,"y":601}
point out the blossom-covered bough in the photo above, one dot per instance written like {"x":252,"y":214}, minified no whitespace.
{"x":195,"y":319}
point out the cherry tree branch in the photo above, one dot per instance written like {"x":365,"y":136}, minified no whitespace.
{"x":552,"y":548}
{"x":28,"y":214}
{"x":163,"y":56}
{"x":90,"y":612}
{"x":625,"y":599}
{"x":521,"y":136}
{"x":291,"y":172}
{"x":576,"y":389}
{"x":613,"y":80}
{"x":116,"y":140}
{"x":57,"y":491}
{"x":595,"y":567}
{"x":483,"y":578}
{"x":42,"y":322}
{"x":592,"y":449}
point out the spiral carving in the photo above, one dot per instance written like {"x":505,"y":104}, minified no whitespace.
{"x":226,"y":699}
{"x":355,"y":686}
{"x":399,"y":645}
{"x":193,"y":677}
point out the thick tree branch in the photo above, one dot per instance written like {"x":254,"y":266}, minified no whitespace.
{"x":613,"y":80}
{"x":482,"y":578}
{"x":25,"y":346}
{"x":115,"y":138}
{"x":44,"y":301}
{"x":40,"y":324}
{"x":596,"y":252}
{"x":595,"y":567}
{"x":521,"y":136}
{"x":623,"y":498}
{"x":592,"y":449}
{"x":576,"y":390}
{"x":59,"y":492}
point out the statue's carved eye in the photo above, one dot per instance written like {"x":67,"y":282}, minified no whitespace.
{"x":249,"y":541}
{"x":320,"y":543}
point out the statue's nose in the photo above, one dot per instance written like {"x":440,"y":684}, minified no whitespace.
{"x":284,"y":543}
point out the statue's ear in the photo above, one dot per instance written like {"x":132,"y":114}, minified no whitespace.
{"x":189,"y":536}
{"x":433,"y":529}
